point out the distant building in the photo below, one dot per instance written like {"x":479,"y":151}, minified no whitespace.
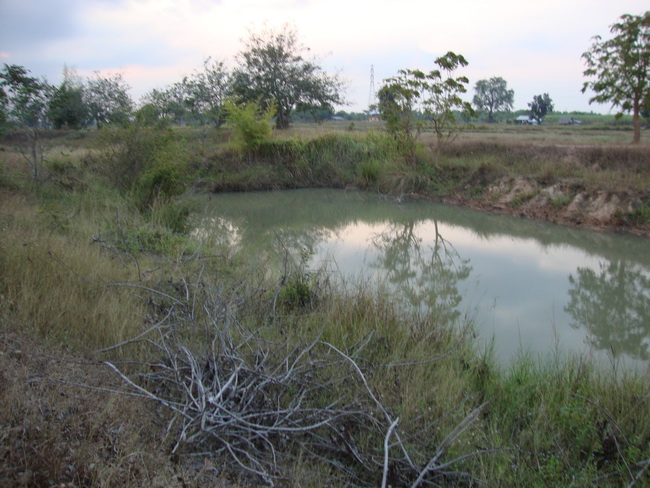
{"x":526,"y":120}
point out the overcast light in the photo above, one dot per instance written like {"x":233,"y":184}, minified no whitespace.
{"x":535,"y":46}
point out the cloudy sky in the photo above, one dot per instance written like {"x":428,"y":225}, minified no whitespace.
{"x":534,"y":46}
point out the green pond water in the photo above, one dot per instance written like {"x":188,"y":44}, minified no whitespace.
{"x":524,"y":285}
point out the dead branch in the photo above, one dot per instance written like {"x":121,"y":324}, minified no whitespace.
{"x":257,"y":404}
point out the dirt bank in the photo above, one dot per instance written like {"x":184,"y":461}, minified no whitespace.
{"x":564,"y":203}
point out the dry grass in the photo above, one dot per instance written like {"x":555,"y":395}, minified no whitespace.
{"x":58,"y":286}
{"x":56,"y":433}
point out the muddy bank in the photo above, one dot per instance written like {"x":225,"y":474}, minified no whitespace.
{"x":564,"y":203}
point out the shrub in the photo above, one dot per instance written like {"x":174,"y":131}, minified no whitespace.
{"x":370,"y":171}
{"x":251,"y":124}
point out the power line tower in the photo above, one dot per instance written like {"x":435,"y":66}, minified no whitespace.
{"x":371,"y":96}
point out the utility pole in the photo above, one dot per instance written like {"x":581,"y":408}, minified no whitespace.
{"x":371,"y":96}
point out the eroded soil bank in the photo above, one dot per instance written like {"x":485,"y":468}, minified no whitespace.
{"x":564,"y":203}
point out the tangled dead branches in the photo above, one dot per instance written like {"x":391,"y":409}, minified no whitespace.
{"x":259,"y":404}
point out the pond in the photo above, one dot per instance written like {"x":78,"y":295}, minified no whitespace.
{"x":525,"y":286}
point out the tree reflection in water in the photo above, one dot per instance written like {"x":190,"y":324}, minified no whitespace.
{"x":613,"y":306}
{"x":425,"y":276}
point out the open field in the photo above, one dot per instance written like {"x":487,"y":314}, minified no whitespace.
{"x":136,"y":355}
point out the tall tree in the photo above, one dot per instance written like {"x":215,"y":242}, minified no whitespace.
{"x":493,"y":96}
{"x":67,"y":108}
{"x":272,"y":70}
{"x":620,"y":68}
{"x":24,"y":102}
{"x":443,"y":102}
{"x":540,"y":106}
{"x":207,"y":91}
{"x":167,"y":104}
{"x":436,"y":94}
{"x":108,"y":99}
{"x":398,"y":98}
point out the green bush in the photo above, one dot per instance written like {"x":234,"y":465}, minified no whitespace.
{"x":251,"y":125}
{"x":148,"y":162}
{"x":164,"y":177}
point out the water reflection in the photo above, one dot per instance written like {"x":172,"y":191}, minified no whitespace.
{"x":425,"y":276}
{"x":527,"y":285}
{"x":613,"y":306}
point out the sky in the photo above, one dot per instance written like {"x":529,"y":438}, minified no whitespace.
{"x":535,"y":46}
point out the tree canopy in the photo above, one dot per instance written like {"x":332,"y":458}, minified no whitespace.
{"x":540,"y":106}
{"x":493,"y":96}
{"x":23,"y":98}
{"x":272,"y":70}
{"x":66,"y":104}
{"x":108,"y":99}
{"x":207,"y":90}
{"x":23,"y":104}
{"x":619,"y":68}
{"x":436,"y":94}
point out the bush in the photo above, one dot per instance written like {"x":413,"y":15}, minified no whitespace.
{"x":251,"y":125}
{"x":148,"y":162}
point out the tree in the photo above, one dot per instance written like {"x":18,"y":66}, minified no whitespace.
{"x":620,"y":68}
{"x":444,"y":100}
{"x":398,"y":98}
{"x":66,"y":105}
{"x":540,"y":106}
{"x":207,"y":91}
{"x":272,"y":70}
{"x":108,"y":100}
{"x":24,"y":105}
{"x":166,"y":105}
{"x":437,"y":94}
{"x":493,"y":96}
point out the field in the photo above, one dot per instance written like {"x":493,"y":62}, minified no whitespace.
{"x":133,"y":354}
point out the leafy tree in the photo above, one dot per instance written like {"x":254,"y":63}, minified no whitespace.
{"x":66,"y":106}
{"x":620,"y":68}
{"x":24,"y":97}
{"x":437,"y":94}
{"x":444,"y":102}
{"x":398,"y":98}
{"x":493,"y":96}
{"x":207,"y":91}
{"x":273,"y":71}
{"x":108,"y":100}
{"x":167,"y":104}
{"x":540,"y":106}
{"x":24,"y":100}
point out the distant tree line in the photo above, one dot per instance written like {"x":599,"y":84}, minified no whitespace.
{"x":275,"y":71}
{"x":272,"y":71}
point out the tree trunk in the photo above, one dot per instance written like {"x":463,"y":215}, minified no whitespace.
{"x":636,"y":121}
{"x":282,"y":119}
